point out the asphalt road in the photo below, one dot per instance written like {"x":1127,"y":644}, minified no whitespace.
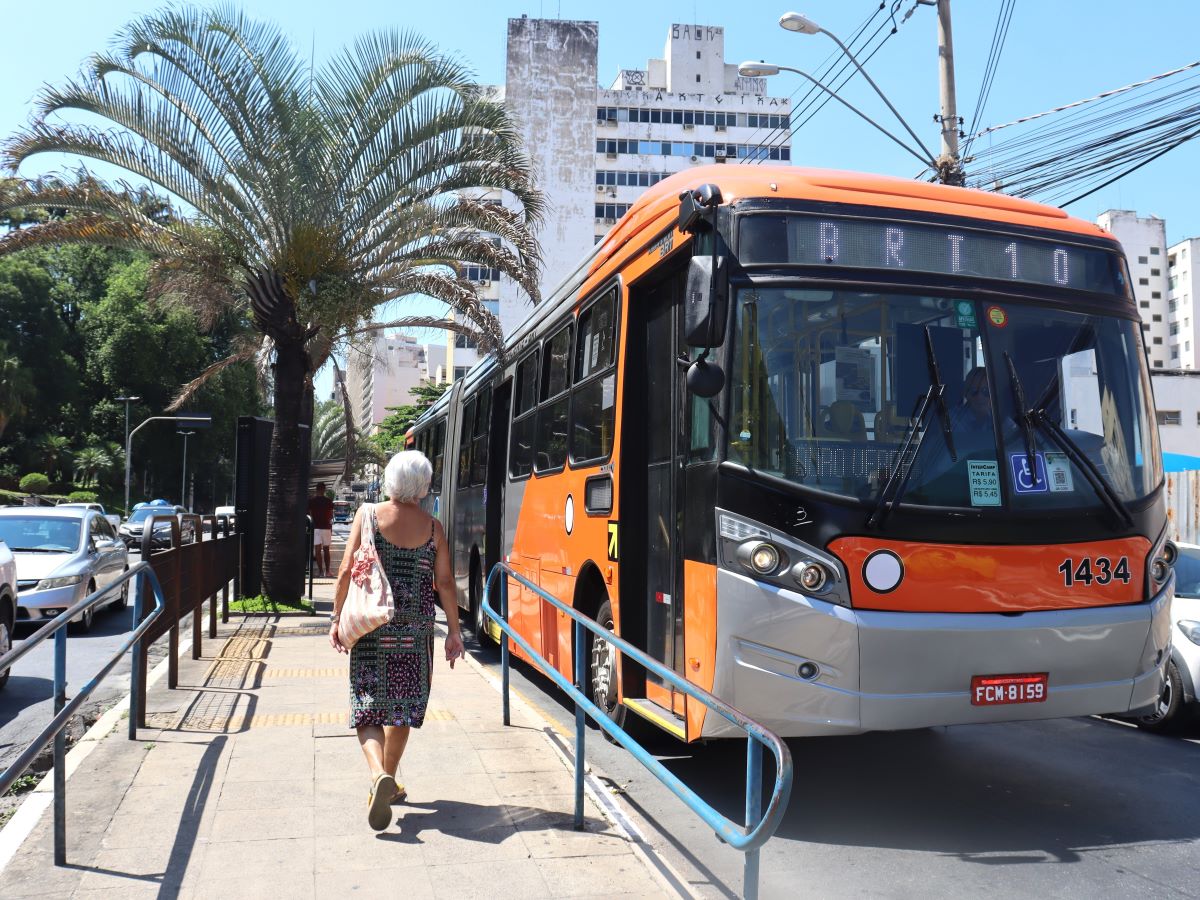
{"x":1071,"y":808}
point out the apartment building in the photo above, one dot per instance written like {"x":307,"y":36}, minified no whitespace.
{"x":1145,"y":243}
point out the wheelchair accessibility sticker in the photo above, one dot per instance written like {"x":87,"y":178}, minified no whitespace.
{"x":1023,"y":477}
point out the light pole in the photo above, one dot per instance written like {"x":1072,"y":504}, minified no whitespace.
{"x":183,"y":480}
{"x":194,"y":420}
{"x":127,"y":400}
{"x":751,"y":69}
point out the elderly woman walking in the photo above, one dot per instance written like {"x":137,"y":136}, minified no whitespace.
{"x":391,"y":668}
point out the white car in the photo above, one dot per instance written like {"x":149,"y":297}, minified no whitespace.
{"x":113,"y":519}
{"x":8,"y":603}
{"x":63,"y":553}
{"x":1179,"y":700}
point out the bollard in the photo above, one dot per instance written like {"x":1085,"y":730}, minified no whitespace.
{"x":504,"y":645}
{"x":137,"y":674}
{"x":580,"y":721}
{"x":60,"y":749}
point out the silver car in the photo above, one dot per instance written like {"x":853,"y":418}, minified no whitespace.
{"x":62,"y":555}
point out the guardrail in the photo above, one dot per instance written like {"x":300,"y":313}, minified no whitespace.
{"x":759,"y":826}
{"x":64,"y":710}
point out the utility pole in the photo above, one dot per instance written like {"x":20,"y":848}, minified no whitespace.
{"x":950,"y":169}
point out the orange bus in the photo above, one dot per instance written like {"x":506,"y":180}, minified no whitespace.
{"x":852,"y":452}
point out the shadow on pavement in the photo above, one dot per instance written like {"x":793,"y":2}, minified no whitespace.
{"x":479,"y":822}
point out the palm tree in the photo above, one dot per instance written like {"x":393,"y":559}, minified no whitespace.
{"x":90,"y":462}
{"x":317,"y":195}
{"x":56,"y":450}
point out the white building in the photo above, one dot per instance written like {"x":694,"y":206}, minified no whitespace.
{"x":595,"y":150}
{"x":1177,"y":399}
{"x":1183,"y":327}
{"x":1145,"y":242}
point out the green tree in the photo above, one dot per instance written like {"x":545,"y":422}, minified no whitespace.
{"x":35,"y":483}
{"x":90,"y":463}
{"x":389,"y":434}
{"x":319,"y":194}
{"x":16,"y":388}
{"x":56,"y":451}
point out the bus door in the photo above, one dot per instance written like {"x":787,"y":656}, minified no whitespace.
{"x":495,"y":542}
{"x":653,"y":486}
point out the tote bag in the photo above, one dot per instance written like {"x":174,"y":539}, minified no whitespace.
{"x":369,"y":601}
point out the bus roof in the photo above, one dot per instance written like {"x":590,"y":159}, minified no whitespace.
{"x":833,"y":186}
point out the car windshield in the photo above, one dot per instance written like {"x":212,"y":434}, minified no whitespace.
{"x":141,"y":515}
{"x":825,"y":382}
{"x":40,"y":534}
{"x":1187,"y":572}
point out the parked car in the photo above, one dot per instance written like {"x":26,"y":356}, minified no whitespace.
{"x":8,"y":603}
{"x":132,"y":528}
{"x":62,"y":554}
{"x":113,"y":519}
{"x":1179,"y":701}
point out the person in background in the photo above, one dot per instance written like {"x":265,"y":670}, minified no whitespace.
{"x":320,"y":510}
{"x":391,"y":669}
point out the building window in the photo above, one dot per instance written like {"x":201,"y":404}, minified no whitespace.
{"x":1154,"y":251}
{"x":1155,"y":272}
{"x":1156,"y":317}
{"x":697,"y":79}
{"x":1158,"y":364}
{"x":697,"y":54}
{"x":1158,"y":340}
{"x":593,"y":403}
{"x":1169,"y":416}
{"x":1143,"y":260}
{"x":1156,"y":295}
{"x":1144,"y":304}
{"x":611,"y":210}
{"x":1144,"y":281}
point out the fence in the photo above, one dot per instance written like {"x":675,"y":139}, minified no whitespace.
{"x":759,"y":826}
{"x":1183,"y":506}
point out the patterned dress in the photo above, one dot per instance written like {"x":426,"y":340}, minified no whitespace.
{"x":392,"y":667}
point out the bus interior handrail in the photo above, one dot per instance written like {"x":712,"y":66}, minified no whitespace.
{"x":739,"y":837}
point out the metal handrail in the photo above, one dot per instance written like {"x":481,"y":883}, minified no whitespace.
{"x":64,"y":710}
{"x":759,"y":826}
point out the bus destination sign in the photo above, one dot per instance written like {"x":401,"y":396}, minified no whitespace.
{"x":808,"y":240}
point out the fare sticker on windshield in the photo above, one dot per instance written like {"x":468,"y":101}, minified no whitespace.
{"x":984,"y":475}
{"x":1058,"y":473}
{"x":997,"y":316}
{"x":964,"y":314}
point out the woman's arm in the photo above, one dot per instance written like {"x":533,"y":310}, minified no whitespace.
{"x":343,"y":578}
{"x":443,"y":580}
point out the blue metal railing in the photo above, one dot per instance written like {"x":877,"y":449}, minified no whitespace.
{"x":63,"y":711}
{"x":758,"y":827}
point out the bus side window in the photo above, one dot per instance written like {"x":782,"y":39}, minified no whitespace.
{"x":593,"y":405}
{"x":437,"y":447}
{"x":464,"y":444}
{"x":520,"y":456}
{"x":479,"y":440}
{"x":551,"y":443}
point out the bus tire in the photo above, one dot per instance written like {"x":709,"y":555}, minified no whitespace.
{"x":479,"y":621}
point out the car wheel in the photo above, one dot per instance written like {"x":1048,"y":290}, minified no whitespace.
{"x":122,"y":600}
{"x":6,"y":639}
{"x":1166,"y":713}
{"x":84,"y":625}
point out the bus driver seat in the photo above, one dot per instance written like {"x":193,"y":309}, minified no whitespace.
{"x":842,"y":421}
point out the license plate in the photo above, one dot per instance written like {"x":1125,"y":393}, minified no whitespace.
{"x":996,"y":690}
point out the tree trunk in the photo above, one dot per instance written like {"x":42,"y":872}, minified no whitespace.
{"x":285,"y":556}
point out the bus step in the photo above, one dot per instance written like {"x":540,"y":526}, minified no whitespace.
{"x":659,"y":715}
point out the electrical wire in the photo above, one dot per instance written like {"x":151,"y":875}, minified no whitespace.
{"x":999,"y":36}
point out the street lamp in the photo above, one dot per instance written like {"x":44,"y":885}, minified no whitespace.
{"x":751,"y":69}
{"x":183,"y":480}
{"x":192,"y":420}
{"x":801,"y":24}
{"x":127,"y":401}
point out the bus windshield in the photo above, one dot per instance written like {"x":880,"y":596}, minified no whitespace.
{"x":825,"y":382}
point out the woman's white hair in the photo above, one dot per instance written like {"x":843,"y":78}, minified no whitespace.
{"x":406,"y":478}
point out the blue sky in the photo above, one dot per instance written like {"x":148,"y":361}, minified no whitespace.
{"x":1057,"y":51}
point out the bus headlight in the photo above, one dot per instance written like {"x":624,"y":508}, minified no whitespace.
{"x":810,"y":575}
{"x":759,"y":557}
{"x":1159,"y":570}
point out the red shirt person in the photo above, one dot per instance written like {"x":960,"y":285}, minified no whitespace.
{"x":320,"y":510}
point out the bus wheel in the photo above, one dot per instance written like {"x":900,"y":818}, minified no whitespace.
{"x":479,"y":621}
{"x":602,"y":670}
{"x":1166,"y":713}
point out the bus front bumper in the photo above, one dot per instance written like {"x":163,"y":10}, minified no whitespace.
{"x":889,"y":671}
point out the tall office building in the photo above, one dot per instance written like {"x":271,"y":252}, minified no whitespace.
{"x":594,"y":150}
{"x":1183,"y":286}
{"x":1145,"y":243}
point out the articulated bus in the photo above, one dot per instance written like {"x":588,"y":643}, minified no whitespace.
{"x":852,"y":452}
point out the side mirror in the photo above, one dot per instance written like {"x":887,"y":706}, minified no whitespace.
{"x":705,"y":302}
{"x":705,"y":379}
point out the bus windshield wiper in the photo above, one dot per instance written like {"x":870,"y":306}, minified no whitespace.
{"x":914,"y":435}
{"x":1029,"y":419}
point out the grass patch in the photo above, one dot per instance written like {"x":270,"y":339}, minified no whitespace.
{"x":261,"y":603}
{"x":24,"y":784}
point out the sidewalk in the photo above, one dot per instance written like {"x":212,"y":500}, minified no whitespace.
{"x":248,"y":783}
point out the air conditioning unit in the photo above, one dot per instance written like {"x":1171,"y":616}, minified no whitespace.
{"x":695,"y":159}
{"x":608,"y":220}
{"x":719,"y":127}
{"x":611,"y":154}
{"x":599,"y":189}
{"x":688,"y":126}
